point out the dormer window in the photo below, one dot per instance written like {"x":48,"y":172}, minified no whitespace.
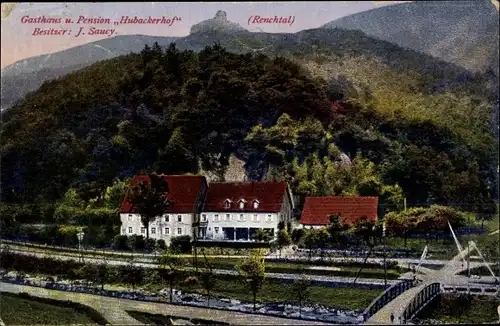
{"x":256,"y":204}
{"x":227,"y":203}
{"x":242,"y":203}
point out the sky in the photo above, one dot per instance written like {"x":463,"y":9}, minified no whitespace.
{"x":18,"y":42}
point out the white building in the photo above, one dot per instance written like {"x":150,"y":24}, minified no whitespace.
{"x":235,"y":211}
{"x":186,"y":194}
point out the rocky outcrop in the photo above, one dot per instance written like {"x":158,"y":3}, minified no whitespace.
{"x":235,"y":172}
{"x":218,"y":23}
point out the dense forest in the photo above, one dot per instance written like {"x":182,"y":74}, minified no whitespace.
{"x":176,"y":112}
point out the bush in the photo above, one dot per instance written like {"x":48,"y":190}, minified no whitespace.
{"x":160,"y":244}
{"x":191,"y":281}
{"x":233,"y":245}
{"x":121,"y":242}
{"x":150,"y":244}
{"x":297,"y":235}
{"x":181,"y":244}
{"x":137,"y":242}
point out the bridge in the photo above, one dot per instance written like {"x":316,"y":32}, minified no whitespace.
{"x":405,"y":300}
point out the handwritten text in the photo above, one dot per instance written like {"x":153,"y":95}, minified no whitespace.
{"x":91,"y":30}
{"x":256,"y":19}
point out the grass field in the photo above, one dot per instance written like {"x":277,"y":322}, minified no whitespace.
{"x":158,"y":319}
{"x":232,"y":287}
{"x":336,"y":297}
{"x":25,"y":310}
{"x":460,"y":309}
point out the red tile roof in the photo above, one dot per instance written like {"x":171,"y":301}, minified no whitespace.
{"x":183,"y":191}
{"x":317,"y":210}
{"x":269,"y":194}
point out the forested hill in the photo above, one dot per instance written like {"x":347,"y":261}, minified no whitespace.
{"x":28,"y":75}
{"x":167,"y":110}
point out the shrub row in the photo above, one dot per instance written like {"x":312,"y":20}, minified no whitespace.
{"x":103,"y":237}
{"x":391,"y":264}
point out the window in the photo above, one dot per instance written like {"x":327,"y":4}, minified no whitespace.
{"x":153,"y":230}
{"x":204,"y":217}
{"x":143,"y":230}
{"x":255,"y":217}
{"x":179,"y":231}
{"x":216,"y":229}
{"x":130,"y":230}
{"x":217,"y":217}
{"x":179,"y":218}
{"x":242,"y":203}
{"x":269,"y":218}
{"x":242,"y":217}
{"x":255,"y":204}
{"x":167,"y":218}
{"x":129,"y":217}
{"x":227,"y":203}
{"x":228,"y":217}
{"x":167,"y":231}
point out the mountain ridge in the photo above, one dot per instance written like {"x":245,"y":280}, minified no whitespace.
{"x":454,"y":31}
{"x":29,"y":74}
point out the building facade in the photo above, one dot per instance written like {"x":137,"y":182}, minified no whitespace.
{"x":186,"y":195}
{"x":235,"y":211}
{"x":317,"y":210}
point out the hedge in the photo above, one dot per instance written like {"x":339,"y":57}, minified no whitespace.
{"x":232,"y":244}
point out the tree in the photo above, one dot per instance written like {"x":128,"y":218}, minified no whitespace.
{"x":283,"y":239}
{"x":131,"y":273}
{"x":149,"y":199}
{"x":88,"y":272}
{"x":323,"y":238}
{"x":114,"y":194}
{"x":262,"y":235}
{"x":365,"y":228}
{"x":301,"y":291}
{"x":185,"y":160}
{"x":311,"y":240}
{"x":252,"y":271}
{"x":207,"y":278}
{"x":170,"y":270}
{"x":336,"y":229}
{"x":102,"y":272}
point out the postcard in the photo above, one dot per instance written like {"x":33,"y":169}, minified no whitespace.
{"x":250,"y":163}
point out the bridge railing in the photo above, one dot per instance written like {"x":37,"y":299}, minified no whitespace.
{"x":428,"y":293}
{"x":388,"y":295}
